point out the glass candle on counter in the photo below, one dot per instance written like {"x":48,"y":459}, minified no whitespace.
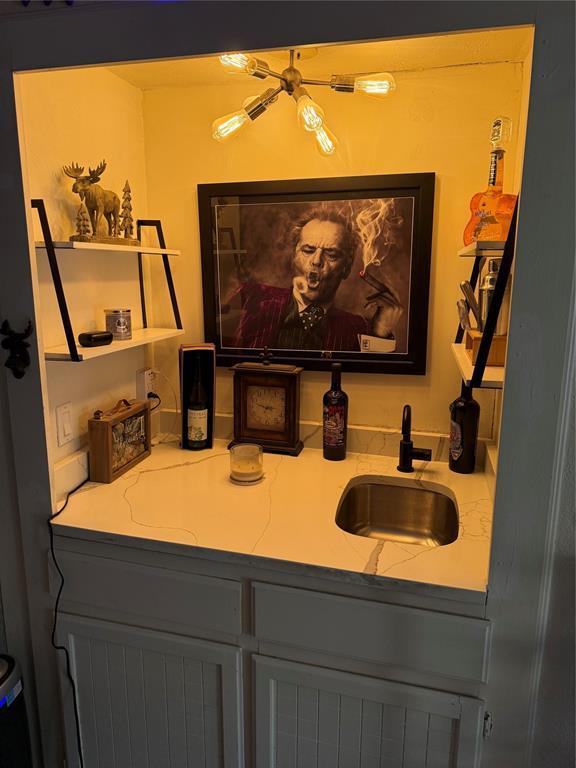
{"x":246,"y":463}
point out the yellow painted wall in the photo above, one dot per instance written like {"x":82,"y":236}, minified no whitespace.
{"x":438,"y":120}
{"x":82,"y":116}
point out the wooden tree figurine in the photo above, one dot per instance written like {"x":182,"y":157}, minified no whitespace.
{"x":82,"y":225}
{"x":127,"y":221}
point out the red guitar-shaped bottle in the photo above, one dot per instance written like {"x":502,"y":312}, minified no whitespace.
{"x":492,"y":210}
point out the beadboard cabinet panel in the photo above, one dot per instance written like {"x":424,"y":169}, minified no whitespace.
{"x":439,"y":643}
{"x":151,"y":699}
{"x":143,"y":591}
{"x":309,"y":717}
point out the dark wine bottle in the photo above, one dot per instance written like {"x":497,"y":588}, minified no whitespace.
{"x":464,"y":416}
{"x":197,"y":408}
{"x":335,"y":418}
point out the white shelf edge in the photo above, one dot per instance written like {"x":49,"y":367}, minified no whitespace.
{"x":482,"y":248}
{"x":493,"y":375}
{"x":140,"y":337}
{"x":75,"y":245}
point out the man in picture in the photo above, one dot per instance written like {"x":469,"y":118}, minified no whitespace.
{"x":304,"y":316}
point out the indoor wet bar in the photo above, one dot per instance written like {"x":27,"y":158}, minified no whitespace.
{"x":284,"y":331}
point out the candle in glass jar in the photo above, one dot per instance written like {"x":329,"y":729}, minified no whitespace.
{"x":246,"y":463}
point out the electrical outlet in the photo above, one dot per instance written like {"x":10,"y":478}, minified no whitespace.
{"x":64,"y":432}
{"x":145,"y":382}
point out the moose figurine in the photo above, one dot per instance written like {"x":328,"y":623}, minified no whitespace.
{"x":99,"y":202}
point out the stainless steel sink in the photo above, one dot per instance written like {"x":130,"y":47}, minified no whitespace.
{"x":384,"y":509}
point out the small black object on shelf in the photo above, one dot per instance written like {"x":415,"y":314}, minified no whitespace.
{"x":95,"y":338}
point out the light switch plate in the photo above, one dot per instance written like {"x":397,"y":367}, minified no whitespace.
{"x":64,"y":431}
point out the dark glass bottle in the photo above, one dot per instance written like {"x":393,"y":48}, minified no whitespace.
{"x":197,"y":411}
{"x":464,"y":416}
{"x":335,"y":418}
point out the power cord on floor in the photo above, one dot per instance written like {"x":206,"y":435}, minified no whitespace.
{"x":56,"y":604}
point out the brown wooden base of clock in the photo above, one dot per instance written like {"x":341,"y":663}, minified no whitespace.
{"x":288,"y":450}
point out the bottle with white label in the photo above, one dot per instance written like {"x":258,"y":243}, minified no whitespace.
{"x":197,"y":408}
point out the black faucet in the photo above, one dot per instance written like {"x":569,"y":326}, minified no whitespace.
{"x":407,"y":450}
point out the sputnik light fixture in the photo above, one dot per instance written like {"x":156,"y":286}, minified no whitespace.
{"x":310,"y":115}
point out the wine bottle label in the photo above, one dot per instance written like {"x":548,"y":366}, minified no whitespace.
{"x":334,"y":424}
{"x":197,"y":425}
{"x":456,"y":445}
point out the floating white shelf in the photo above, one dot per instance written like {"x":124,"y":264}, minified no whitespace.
{"x":75,"y":245}
{"x":492,"y":248}
{"x":493,"y":375}
{"x":139,"y":338}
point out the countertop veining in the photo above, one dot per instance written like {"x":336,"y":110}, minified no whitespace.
{"x":186,"y":499}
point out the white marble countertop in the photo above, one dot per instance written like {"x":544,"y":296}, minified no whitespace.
{"x":183,"y":498}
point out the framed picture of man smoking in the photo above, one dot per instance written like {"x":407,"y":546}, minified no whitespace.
{"x":319,"y":270}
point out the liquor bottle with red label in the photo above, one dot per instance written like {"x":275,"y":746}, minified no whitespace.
{"x":335,"y":418}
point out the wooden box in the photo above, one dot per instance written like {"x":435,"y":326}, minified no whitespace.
{"x":497,"y":353}
{"x":119,"y":439}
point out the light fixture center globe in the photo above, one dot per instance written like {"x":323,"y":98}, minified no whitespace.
{"x":292,"y":78}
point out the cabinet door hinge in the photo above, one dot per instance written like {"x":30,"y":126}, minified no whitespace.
{"x":488,"y":725}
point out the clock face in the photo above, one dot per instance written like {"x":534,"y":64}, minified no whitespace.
{"x":266,"y":408}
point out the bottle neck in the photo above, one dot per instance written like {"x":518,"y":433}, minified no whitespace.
{"x":336,"y":381}
{"x":496,"y":175}
{"x":466,"y":392}
{"x":197,"y":390}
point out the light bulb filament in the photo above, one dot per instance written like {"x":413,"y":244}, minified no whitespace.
{"x":326,"y":145}
{"x":312,"y":120}
{"x":237,"y":60}
{"x":378,"y":84}
{"x":373,"y":86}
{"x":227,"y":126}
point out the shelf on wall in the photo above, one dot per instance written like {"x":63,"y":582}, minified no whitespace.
{"x":139,"y":338}
{"x":493,"y":375}
{"x":109,"y":247}
{"x":492,"y":248}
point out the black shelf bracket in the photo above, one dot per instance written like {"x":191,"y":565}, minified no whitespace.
{"x":38,"y":204}
{"x":56,"y":279}
{"x":157,"y":225}
{"x":496,"y":303}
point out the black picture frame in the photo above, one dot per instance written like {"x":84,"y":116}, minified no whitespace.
{"x":235,"y":270}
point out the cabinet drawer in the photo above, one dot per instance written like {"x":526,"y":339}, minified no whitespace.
{"x":438,"y":643}
{"x":155,"y":593}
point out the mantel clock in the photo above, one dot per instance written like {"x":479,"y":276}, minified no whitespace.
{"x":267,"y":406}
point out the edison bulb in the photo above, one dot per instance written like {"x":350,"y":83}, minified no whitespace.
{"x":325,"y":141}
{"x":238,"y":63}
{"x":310,"y":115}
{"x":225,"y":127}
{"x":377,"y":85}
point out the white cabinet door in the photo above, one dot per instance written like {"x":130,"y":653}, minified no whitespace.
{"x":311,"y":717}
{"x":151,"y":699}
